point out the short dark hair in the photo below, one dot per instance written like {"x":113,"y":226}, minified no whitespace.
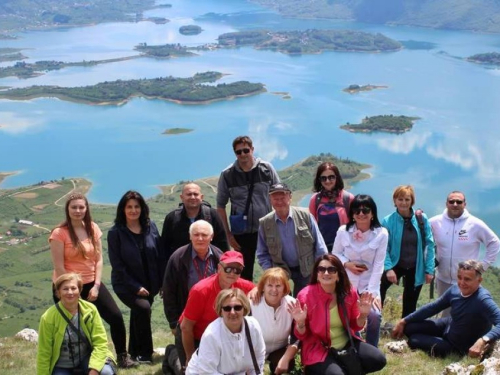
{"x":344,"y":285}
{"x":120,"y":209}
{"x":363,"y":200}
{"x":242,"y":139}
{"x":472,"y":264}
{"x":339,"y":182}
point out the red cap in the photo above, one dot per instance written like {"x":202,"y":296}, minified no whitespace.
{"x":232,"y":257}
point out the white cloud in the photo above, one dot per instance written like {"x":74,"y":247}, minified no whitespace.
{"x":12,"y":123}
{"x":268,"y":145}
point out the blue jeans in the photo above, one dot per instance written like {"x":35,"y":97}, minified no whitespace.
{"x":84,"y":365}
{"x":373,"y":327}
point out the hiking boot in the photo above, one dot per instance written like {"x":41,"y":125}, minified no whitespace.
{"x":124,"y":361}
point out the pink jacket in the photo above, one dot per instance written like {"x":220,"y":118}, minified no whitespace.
{"x":317,"y":333}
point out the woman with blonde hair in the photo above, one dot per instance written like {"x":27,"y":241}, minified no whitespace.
{"x":231,"y":344}
{"x":75,"y":246}
{"x":72,"y":338}
{"x":275,"y":321}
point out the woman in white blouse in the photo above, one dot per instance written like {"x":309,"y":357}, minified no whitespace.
{"x":224,"y":347}
{"x":275,"y":321}
{"x":361,"y":245}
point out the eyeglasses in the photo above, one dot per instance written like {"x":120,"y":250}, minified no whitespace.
{"x":242,"y":151}
{"x":235,"y":308}
{"x":364,"y":210}
{"x":235,"y":270}
{"x":330,"y":269}
{"x":457,"y":201}
{"x":330,"y":177}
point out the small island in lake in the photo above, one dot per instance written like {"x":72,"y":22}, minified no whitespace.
{"x":382,"y":123}
{"x":190,"y":30}
{"x":354,"y":89}
{"x":491,"y":58}
{"x":179,"y":90}
{"x":174,"y":131}
{"x":164,"y":50}
{"x":311,"y":41}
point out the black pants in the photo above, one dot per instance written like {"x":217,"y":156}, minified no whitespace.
{"x":140,"y":341}
{"x":180,"y":347}
{"x":410,"y":291}
{"x":274,"y":358}
{"x":109,"y":312}
{"x":371,"y":358}
{"x":428,"y":335}
{"x":248,"y":243}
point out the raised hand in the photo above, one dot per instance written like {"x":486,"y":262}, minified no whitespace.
{"x":365,"y":303}
{"x":298,"y":312}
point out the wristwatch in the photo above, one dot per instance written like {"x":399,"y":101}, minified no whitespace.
{"x":486,"y":339}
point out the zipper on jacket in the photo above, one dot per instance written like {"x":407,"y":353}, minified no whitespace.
{"x":451,"y":252}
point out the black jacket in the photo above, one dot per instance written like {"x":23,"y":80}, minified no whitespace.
{"x":127,"y":272}
{"x":175,"y":282}
{"x":175,"y":232}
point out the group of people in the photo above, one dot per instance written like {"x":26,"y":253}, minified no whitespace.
{"x":340,"y":258}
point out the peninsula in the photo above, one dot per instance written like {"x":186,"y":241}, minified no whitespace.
{"x":354,"y":89}
{"x":310,"y":41}
{"x":179,"y":90}
{"x":382,"y":123}
{"x":491,"y":58}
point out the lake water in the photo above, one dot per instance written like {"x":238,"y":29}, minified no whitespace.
{"x":454,"y":145}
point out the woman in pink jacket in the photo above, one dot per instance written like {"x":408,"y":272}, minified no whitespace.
{"x":321,"y":324}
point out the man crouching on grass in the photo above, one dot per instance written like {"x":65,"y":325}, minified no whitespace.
{"x":467,"y":330}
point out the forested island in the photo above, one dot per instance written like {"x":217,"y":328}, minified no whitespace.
{"x":353,"y":89}
{"x":174,"y":131}
{"x":164,"y":50}
{"x":382,"y":123}
{"x":491,"y":58}
{"x":180,"y":90}
{"x":190,"y":30}
{"x":310,"y":41}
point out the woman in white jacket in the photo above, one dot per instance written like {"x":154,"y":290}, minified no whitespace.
{"x":224,"y":347}
{"x":361,"y":245}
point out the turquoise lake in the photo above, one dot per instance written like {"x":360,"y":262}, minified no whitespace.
{"x":455,"y":146}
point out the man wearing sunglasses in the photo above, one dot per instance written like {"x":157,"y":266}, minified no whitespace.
{"x":245,"y":184}
{"x":458,"y":236}
{"x":289,"y":238}
{"x":474,"y":321}
{"x":200,"y":311}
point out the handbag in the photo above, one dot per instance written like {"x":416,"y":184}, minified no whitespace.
{"x":239,"y":222}
{"x":348,"y":358}
{"x":250,"y":346}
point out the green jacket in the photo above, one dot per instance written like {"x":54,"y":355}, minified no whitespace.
{"x":51,"y":334}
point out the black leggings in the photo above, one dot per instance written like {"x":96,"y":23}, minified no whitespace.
{"x":410,"y":291}
{"x":140,"y":341}
{"x":109,"y":312}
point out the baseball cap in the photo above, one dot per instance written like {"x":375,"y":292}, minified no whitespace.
{"x":276,"y":188}
{"x":232,"y":257}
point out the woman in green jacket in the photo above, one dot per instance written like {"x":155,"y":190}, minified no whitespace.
{"x":72,"y":338}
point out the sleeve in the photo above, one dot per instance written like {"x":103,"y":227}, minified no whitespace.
{"x":319,"y":242}
{"x":338,"y":247}
{"x":491,"y":313}
{"x":208,"y":356}
{"x":222,"y":192}
{"x":263,"y":257}
{"x":430,"y":251}
{"x":97,"y":231}
{"x":118,"y":266}
{"x":160,"y":256}
{"x":166,"y":239}
{"x":378,"y":263}
{"x":492,"y":244}
{"x":58,"y":234}
{"x":259,"y":346}
{"x":431,"y":309}
{"x":45,"y":344}
{"x":220,"y":238}
{"x":312,"y":206}
{"x":99,"y":341}
{"x":388,"y":261}
{"x":171,"y":306}
{"x":275,"y":178}
{"x":195,"y":305}
{"x":353,"y":311}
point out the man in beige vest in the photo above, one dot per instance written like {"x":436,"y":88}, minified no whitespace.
{"x":289,"y":238}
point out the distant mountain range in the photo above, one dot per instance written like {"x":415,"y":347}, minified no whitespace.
{"x":474,"y":15}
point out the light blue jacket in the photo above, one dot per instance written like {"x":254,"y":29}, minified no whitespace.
{"x":425,"y":255}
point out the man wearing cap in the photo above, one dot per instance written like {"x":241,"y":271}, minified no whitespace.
{"x":289,"y":238}
{"x":245,"y":184}
{"x":467,"y":330}
{"x":199,"y":311}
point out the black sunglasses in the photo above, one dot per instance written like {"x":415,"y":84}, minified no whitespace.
{"x":242,"y":151}
{"x":235,"y":308}
{"x":457,"y":201}
{"x":235,"y":270}
{"x":330,"y":269}
{"x":327,"y":178}
{"x":364,"y":210}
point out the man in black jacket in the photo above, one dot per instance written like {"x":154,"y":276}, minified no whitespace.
{"x":175,"y":231}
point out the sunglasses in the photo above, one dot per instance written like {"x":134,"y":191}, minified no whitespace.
{"x":364,"y":210}
{"x":327,"y":178}
{"x":457,"y":201}
{"x":235,"y":270}
{"x":242,"y":151}
{"x":331,"y":269}
{"x":235,"y":308}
